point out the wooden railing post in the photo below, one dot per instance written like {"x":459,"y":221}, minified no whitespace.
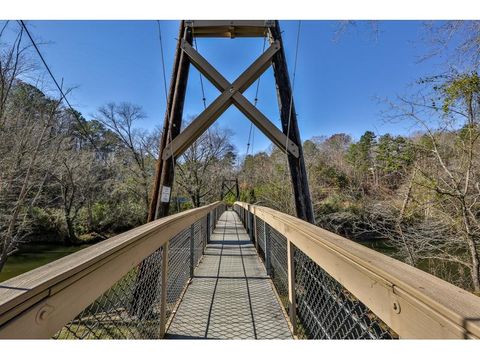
{"x":163,"y":303}
{"x":192,"y":246}
{"x":245,"y":218}
{"x":268,"y":259}
{"x":291,"y":285}
{"x":208,"y":227}
{"x":255,"y":232}
{"x":249,"y":222}
{"x":251,"y":226}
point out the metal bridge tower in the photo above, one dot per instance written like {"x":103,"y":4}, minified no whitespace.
{"x":173,"y":142}
{"x":230,"y":187}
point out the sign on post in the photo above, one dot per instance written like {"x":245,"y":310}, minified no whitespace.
{"x":165,"y":197}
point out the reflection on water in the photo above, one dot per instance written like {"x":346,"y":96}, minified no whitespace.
{"x":381,"y":246}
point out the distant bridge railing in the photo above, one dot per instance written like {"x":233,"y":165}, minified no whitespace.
{"x":335,"y":288}
{"x":124,"y":287}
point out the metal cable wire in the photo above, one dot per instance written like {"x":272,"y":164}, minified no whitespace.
{"x":84,"y":131}
{"x":251,"y":132}
{"x":204,"y":99}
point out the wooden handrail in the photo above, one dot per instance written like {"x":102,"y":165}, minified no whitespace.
{"x":38,"y":303}
{"x":411,"y":302}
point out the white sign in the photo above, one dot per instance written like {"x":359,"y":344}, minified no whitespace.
{"x":165,"y":194}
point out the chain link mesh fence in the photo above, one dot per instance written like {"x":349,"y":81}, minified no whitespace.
{"x":278,"y":263}
{"x":325,"y":309}
{"x":260,"y":231}
{"x":130,"y":309}
{"x":178,"y":268}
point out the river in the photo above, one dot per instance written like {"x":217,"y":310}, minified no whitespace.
{"x":34,"y":255}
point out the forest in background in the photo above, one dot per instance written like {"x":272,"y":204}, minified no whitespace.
{"x":72,"y":180}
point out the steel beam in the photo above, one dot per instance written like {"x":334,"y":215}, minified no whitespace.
{"x":219,"y":105}
{"x":210,"y":114}
{"x":240,"y":101}
{"x":172,"y":127}
{"x":229,"y":28}
{"x":298,"y":172}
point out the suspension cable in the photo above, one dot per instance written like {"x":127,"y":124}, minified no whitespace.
{"x":204,"y":98}
{"x":251,"y":133}
{"x":59,"y":87}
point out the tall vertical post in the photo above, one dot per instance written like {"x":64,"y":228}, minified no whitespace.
{"x":291,"y":285}
{"x":172,"y":125}
{"x":301,"y":191}
{"x":163,"y":299}
{"x":159,"y":204}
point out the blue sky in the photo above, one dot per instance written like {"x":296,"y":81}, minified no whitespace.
{"x":336,"y":88}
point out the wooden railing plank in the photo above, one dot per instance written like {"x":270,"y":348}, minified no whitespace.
{"x":23,"y":297}
{"x":429,"y":307}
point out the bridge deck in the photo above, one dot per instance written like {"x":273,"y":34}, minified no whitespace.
{"x":230,"y":296}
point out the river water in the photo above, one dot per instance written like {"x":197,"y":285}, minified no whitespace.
{"x":33,"y":256}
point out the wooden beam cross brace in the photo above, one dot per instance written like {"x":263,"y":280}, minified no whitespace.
{"x":231,"y":94}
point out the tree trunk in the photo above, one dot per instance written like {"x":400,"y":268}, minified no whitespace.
{"x":3,"y":258}
{"x":472,"y":247}
{"x":71,"y":237}
{"x":399,"y":221}
{"x":475,"y":270}
{"x":90,"y":215}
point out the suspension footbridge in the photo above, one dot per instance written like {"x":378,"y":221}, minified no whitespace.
{"x":237,"y":271}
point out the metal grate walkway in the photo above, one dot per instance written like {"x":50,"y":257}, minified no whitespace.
{"x":230,"y":296}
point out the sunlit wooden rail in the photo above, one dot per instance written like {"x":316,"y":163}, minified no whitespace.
{"x":39,"y":303}
{"x":411,"y":302}
{"x":133,"y":285}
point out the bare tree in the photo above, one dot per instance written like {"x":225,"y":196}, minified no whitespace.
{"x":269,"y":176}
{"x":138,"y":145}
{"x":13,"y":64}
{"x":28,"y":144}
{"x":448,"y":171}
{"x":201,"y":167}
{"x":456,"y":41}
